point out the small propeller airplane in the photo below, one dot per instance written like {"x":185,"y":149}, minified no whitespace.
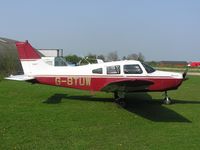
{"x":118,"y":77}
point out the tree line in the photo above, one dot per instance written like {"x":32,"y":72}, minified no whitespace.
{"x":9,"y":62}
{"x":92,"y":58}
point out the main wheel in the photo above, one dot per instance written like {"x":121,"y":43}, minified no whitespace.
{"x":119,"y":99}
{"x":167,"y":101}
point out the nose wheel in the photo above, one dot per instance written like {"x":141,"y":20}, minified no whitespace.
{"x":120,"y":99}
{"x":167,"y":100}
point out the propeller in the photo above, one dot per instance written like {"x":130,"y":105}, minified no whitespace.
{"x":185,"y":74}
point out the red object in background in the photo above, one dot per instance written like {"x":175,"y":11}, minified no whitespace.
{"x":194,"y":64}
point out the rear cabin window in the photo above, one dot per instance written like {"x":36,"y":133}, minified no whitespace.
{"x":132,"y":69}
{"x":97,"y":71}
{"x":113,"y":69}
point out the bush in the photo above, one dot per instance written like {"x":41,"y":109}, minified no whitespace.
{"x":8,"y":65}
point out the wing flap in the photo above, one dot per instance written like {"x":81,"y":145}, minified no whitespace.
{"x":128,"y":85}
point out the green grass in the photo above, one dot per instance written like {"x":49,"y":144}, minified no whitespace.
{"x":45,"y":117}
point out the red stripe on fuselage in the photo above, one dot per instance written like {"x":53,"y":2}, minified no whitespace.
{"x":96,"y":83}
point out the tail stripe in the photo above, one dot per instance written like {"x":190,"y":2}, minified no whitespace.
{"x":26,"y":51}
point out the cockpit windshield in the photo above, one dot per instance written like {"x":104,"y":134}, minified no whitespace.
{"x":59,"y":61}
{"x":148,"y":68}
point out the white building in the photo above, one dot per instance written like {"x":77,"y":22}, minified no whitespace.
{"x":51,"y":52}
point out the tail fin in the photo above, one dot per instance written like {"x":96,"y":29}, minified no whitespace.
{"x":27,"y":55}
{"x":26,"y":51}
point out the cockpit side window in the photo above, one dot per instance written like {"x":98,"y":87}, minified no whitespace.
{"x":113,"y":69}
{"x":148,"y":68}
{"x":97,"y":71}
{"x":132,"y":69}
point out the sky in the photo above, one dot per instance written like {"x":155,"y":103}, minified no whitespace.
{"x":159,"y":29}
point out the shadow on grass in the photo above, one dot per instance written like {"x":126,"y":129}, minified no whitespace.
{"x":186,"y":102}
{"x":55,"y":99}
{"x":141,"y":104}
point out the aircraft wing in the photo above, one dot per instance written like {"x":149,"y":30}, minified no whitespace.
{"x":20,"y":77}
{"x":128,"y":85}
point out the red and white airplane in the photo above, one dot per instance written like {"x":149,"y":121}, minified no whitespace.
{"x":118,"y":77}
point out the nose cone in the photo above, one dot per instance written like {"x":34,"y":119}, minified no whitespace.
{"x":166,"y":80}
{"x":177,"y":79}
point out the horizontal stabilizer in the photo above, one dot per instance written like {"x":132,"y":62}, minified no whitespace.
{"x":20,"y":77}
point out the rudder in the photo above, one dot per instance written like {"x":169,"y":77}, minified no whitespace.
{"x":27,"y":55}
{"x":26,"y":51}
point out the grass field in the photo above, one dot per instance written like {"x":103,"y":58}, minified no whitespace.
{"x":45,"y":117}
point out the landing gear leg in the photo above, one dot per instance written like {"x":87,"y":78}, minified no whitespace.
{"x":119,"y":99}
{"x":167,"y":100}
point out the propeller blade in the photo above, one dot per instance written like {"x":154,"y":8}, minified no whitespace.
{"x":185,"y":74}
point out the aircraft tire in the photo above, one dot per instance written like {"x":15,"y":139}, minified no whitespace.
{"x":167,"y":101}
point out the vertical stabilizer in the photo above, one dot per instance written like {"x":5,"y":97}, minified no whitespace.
{"x":28,"y":56}
{"x":26,"y":51}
